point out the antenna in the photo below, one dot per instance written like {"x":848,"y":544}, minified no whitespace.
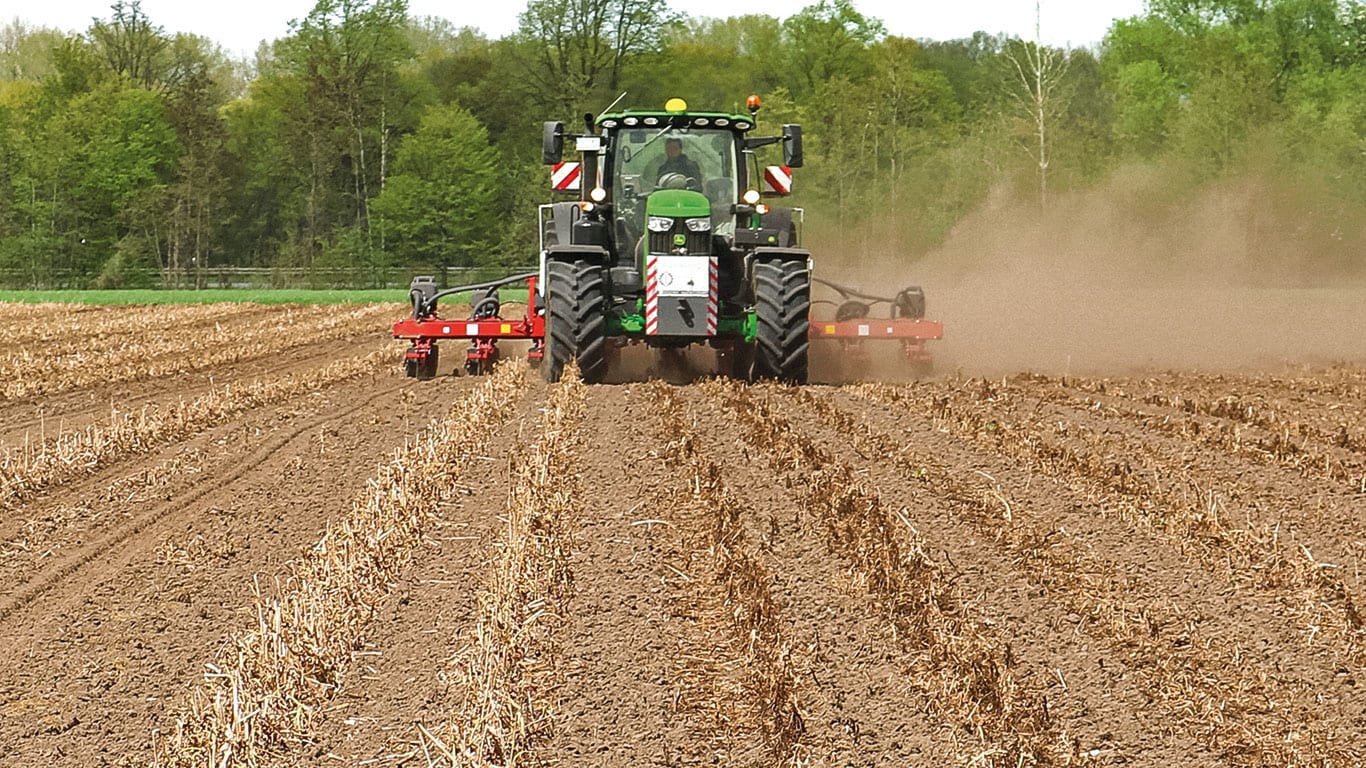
{"x":613,"y":104}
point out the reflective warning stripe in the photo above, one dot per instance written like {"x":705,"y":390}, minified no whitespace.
{"x":712,"y":295}
{"x":778,"y":179}
{"x":651,"y":295}
{"x":564,"y":177}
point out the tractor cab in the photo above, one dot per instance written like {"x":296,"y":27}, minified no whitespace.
{"x":682,"y":170}
{"x":641,"y":166}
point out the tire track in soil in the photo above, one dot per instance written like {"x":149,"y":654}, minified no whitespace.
{"x":426,"y":619}
{"x":857,"y":704}
{"x":27,"y":422}
{"x":21,"y":596}
{"x":85,"y":672}
{"x":34,"y":509}
{"x":1223,"y":663}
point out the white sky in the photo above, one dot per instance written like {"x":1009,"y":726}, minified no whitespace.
{"x":239,"y":25}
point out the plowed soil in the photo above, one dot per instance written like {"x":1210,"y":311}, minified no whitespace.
{"x":1150,"y":569}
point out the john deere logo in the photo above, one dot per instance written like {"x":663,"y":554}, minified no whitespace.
{"x":680,"y":240}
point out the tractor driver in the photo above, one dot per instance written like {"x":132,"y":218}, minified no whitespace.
{"x":677,"y":162}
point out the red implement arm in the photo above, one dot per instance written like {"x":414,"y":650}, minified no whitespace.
{"x":483,"y":333}
{"x":853,"y":324}
{"x":911,"y":333}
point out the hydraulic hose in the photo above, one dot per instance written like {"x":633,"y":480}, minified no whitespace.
{"x":427,"y":308}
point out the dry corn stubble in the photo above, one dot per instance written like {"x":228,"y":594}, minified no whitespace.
{"x":509,"y":673}
{"x":1193,"y":515}
{"x":959,"y":663}
{"x":1233,"y":707}
{"x":749,"y":613}
{"x":153,"y":352}
{"x":66,"y":328}
{"x":259,"y":697}
{"x":29,"y":469}
{"x":1239,"y":427}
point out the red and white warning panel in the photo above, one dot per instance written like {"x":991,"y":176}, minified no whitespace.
{"x":564,"y":177}
{"x":778,"y":180}
{"x":680,"y":295}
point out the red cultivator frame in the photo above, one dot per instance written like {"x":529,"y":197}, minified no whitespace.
{"x":484,"y":328}
{"x":851,"y":327}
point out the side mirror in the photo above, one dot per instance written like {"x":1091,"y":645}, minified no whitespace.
{"x":552,"y":143}
{"x":792,"y":145}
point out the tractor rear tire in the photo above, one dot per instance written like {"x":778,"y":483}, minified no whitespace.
{"x":576,"y":320}
{"x":782,"y":302}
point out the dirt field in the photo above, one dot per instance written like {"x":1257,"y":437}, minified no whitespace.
{"x":233,"y":536}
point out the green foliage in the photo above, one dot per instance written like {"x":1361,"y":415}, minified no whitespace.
{"x":713,"y":62}
{"x":575,"y":50}
{"x":828,"y":40}
{"x":440,"y":206}
{"x":364,"y":139}
{"x":132,"y":47}
{"x":1146,"y":99}
{"x":27,"y":54}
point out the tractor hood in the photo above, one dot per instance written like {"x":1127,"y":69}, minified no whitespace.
{"x":678,"y":203}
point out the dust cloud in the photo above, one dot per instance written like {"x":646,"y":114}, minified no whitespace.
{"x":1240,"y":276}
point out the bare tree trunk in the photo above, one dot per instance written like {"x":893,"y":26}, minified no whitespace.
{"x":1040,"y":74}
{"x":1040,"y":104}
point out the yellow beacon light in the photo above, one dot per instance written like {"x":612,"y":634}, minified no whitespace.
{"x":675,"y":105}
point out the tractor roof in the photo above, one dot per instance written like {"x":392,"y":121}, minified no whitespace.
{"x":675,"y":113}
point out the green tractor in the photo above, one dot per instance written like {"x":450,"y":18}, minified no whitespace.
{"x":669,"y":244}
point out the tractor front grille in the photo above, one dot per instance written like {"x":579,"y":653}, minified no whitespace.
{"x":696,"y":242}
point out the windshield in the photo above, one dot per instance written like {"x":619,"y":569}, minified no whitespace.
{"x":675,"y":158}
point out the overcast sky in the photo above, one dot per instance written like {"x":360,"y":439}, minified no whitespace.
{"x":239,"y":25}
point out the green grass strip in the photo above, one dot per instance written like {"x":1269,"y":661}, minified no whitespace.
{"x":236,"y":296}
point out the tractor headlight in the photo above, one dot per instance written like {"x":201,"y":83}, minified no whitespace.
{"x":699,"y":225}
{"x":660,"y":224}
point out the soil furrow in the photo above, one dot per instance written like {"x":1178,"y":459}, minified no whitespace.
{"x":89,"y":666}
{"x":1189,"y":639}
{"x":632,"y":626}
{"x":314,"y":567}
{"x":406,"y":691}
{"x":258,"y":698}
{"x":62,"y":568}
{"x":71,"y":455}
{"x":152,"y":355}
{"x":70,"y":326}
{"x":858,"y":704}
{"x":1194,"y":513}
{"x":28,"y":423}
{"x":962,"y":665}
{"x":1273,"y":442}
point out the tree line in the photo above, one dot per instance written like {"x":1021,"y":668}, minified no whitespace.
{"x":366,"y":141}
